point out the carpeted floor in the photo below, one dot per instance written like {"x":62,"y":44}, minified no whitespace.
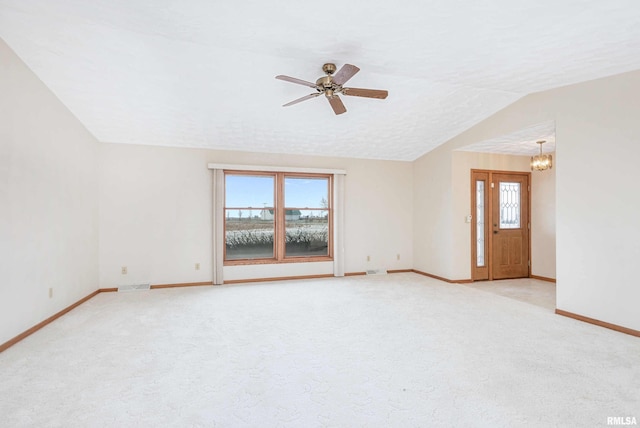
{"x":397,"y":350}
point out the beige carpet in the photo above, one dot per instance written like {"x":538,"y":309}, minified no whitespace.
{"x":396,"y":350}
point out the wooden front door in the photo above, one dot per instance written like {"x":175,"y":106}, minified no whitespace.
{"x":501,"y":228}
{"x":510,"y":226}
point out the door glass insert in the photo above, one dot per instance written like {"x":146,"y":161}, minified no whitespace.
{"x":509,"y":205}
{"x":480,"y":223}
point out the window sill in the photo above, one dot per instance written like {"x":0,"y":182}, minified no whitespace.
{"x":276,"y":262}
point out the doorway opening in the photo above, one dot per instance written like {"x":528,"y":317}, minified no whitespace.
{"x":501,"y":231}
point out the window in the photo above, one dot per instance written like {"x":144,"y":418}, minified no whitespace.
{"x":480,"y":223}
{"x":249,"y":225}
{"x":277,"y":217}
{"x":509,"y":205}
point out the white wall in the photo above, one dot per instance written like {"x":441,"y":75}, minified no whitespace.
{"x":48,"y":202}
{"x":543,"y":222}
{"x":433,"y":222}
{"x":598,"y":144}
{"x":597,"y":199}
{"x":155,"y":214}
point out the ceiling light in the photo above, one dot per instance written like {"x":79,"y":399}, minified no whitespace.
{"x":541,"y":162}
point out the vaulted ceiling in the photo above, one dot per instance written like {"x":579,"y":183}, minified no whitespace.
{"x":197,"y":73}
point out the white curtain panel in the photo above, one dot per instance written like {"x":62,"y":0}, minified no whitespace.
{"x":218,"y":226}
{"x":338,"y":224}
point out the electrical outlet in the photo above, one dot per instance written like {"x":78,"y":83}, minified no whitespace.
{"x":368,"y":258}
{"x":197,"y":266}
{"x":124,"y":270}
{"x":397,"y":256}
{"x":50,"y":293}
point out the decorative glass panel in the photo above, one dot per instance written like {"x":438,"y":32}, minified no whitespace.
{"x":479,"y":223}
{"x":509,"y":205}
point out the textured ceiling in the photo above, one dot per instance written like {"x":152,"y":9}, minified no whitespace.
{"x":196,"y":73}
{"x":519,"y":143}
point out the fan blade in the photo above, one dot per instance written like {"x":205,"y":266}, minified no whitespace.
{"x":294,"y":80}
{"x":337,"y":105}
{"x":368,"y":93}
{"x":299,"y":100}
{"x":345,"y":73}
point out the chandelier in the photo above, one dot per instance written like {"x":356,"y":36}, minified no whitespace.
{"x":541,"y":162}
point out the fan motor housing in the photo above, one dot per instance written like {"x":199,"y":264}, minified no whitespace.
{"x":325,"y":82}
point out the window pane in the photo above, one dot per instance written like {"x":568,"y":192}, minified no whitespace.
{"x":303,"y":192}
{"x":509,"y":205}
{"x":242,"y":191}
{"x":249,"y":219}
{"x":249,"y":237}
{"x":307,"y":233}
{"x":480,"y":223}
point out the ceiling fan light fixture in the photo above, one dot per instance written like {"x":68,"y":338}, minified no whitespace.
{"x":541,"y":162}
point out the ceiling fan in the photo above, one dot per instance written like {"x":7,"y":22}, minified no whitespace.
{"x":331,"y":86}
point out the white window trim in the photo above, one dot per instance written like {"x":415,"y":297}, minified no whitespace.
{"x":233,"y":167}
